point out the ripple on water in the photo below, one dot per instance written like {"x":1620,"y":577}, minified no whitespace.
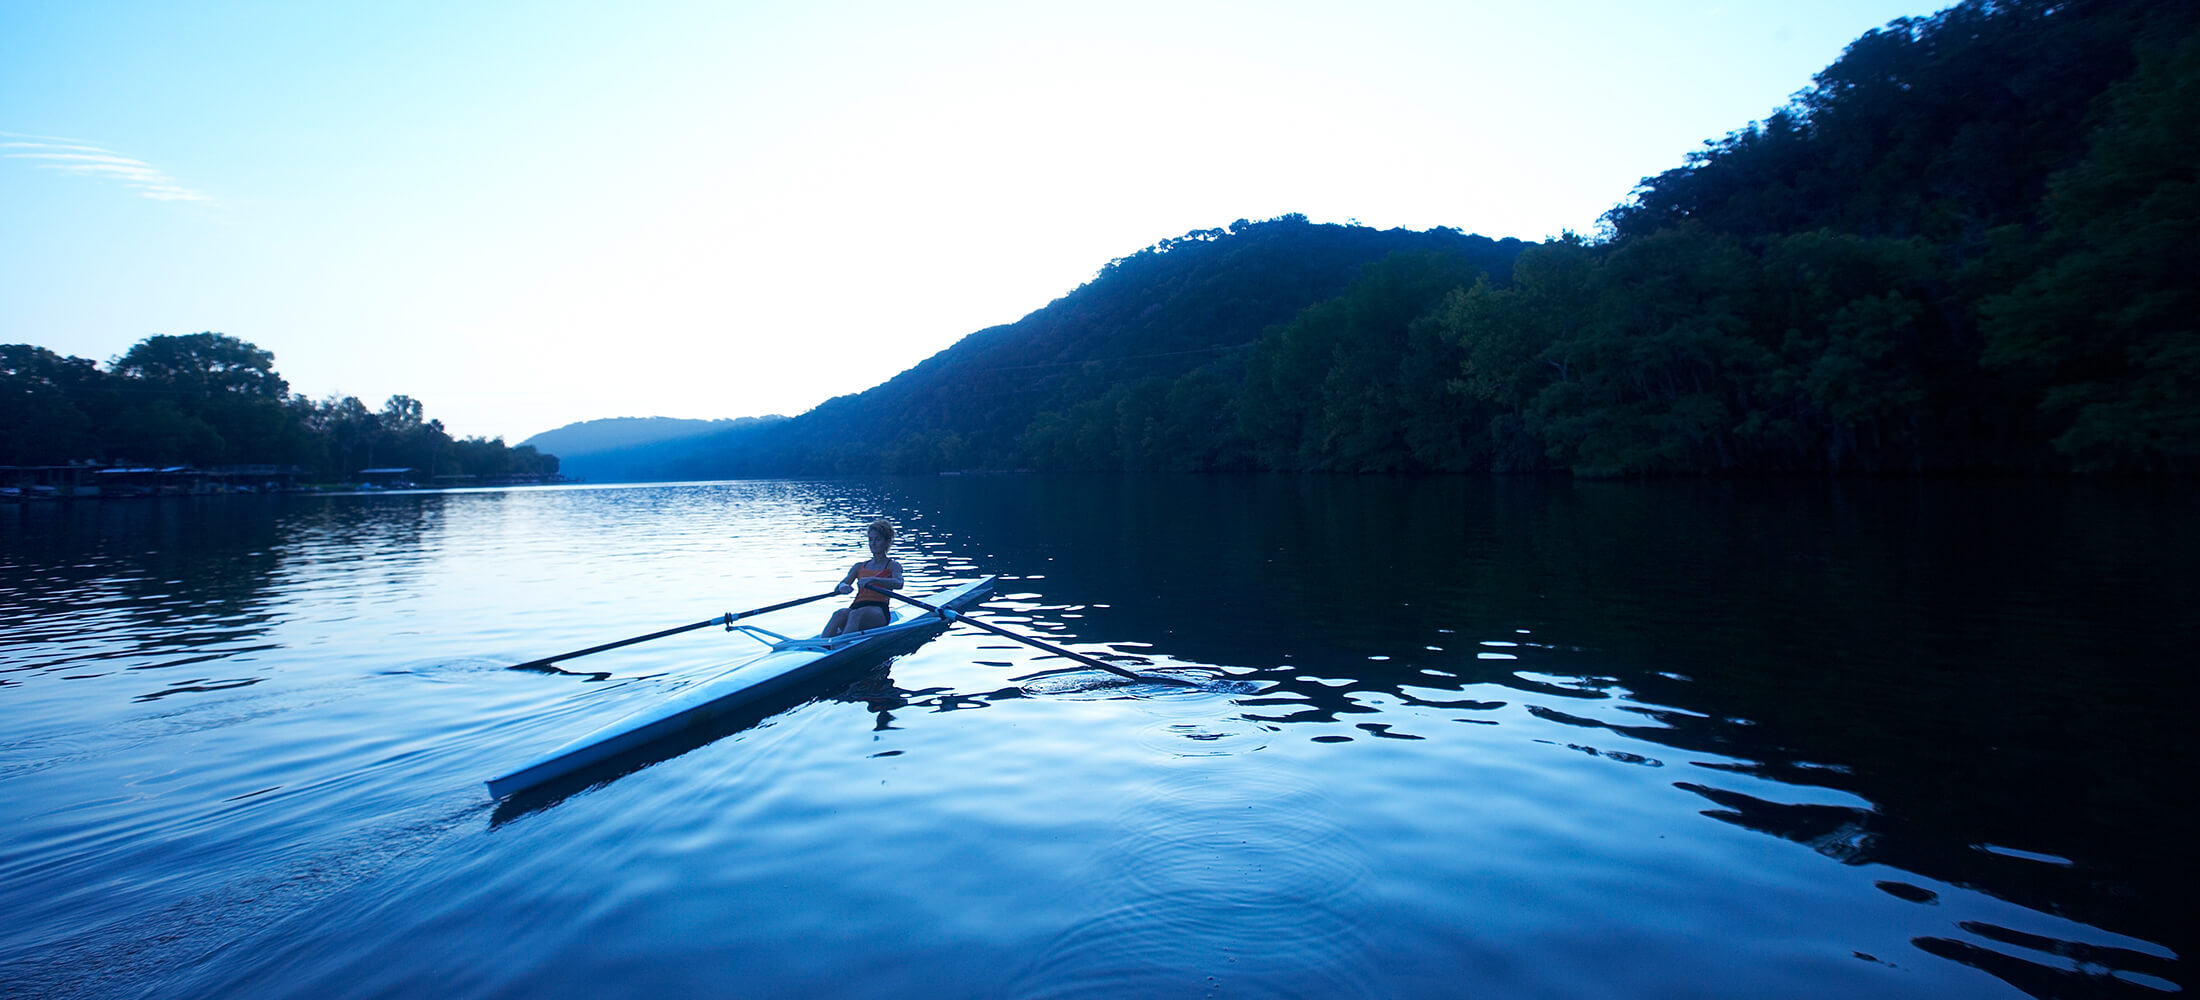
{"x":1204,"y":738}
{"x":1229,"y":878}
{"x":1202,"y":721}
{"x":1174,"y":947}
{"x":171,"y":941}
{"x":1099,"y":684}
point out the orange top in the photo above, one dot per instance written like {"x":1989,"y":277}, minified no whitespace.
{"x":865,"y":572}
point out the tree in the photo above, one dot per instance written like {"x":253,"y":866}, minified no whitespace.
{"x":1496,"y":338}
{"x":203,"y":365}
{"x":1650,"y":377}
{"x":1328,"y":389}
{"x":352,"y":429}
{"x":228,"y":389}
{"x":401,"y":414}
{"x":156,"y":432}
{"x":43,"y":401}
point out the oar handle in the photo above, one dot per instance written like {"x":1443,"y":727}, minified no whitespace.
{"x":728,"y":618}
{"x":1041,"y":644}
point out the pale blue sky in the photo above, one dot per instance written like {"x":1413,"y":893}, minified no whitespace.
{"x":529,"y":214}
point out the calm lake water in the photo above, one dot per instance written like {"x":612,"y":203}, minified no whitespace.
{"x":1485,"y":738}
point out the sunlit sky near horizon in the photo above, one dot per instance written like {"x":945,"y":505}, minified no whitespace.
{"x":528,"y":214}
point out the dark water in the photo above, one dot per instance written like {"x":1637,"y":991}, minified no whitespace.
{"x":1486,"y":738}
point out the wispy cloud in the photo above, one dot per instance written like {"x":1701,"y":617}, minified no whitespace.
{"x":76,"y":156}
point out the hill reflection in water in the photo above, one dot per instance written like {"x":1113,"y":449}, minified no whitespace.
{"x":1991,"y":673}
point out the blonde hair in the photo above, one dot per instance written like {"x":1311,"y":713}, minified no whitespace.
{"x":882,"y":526}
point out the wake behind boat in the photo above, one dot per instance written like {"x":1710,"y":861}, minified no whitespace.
{"x":785,"y":664}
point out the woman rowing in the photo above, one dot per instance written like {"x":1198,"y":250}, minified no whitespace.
{"x":871,"y":580}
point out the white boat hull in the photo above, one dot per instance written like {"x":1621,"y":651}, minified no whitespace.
{"x":786,"y":665}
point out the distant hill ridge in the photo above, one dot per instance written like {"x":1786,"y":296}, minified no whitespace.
{"x":617,"y":433}
{"x":619,"y":449}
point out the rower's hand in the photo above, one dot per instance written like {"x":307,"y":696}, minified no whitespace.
{"x":842,"y":588}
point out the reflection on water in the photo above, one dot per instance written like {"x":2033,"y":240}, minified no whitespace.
{"x":1513,"y":737}
{"x":169,"y":588}
{"x":1971,"y":666}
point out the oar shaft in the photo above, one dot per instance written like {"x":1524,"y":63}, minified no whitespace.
{"x":728,"y":619}
{"x":1042,"y":644}
{"x":548,"y":660}
{"x":781,"y":606}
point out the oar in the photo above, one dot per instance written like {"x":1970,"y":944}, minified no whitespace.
{"x":1048,"y":646}
{"x":728,"y":619}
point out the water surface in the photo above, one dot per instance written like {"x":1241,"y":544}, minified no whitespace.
{"x":1499,"y":738}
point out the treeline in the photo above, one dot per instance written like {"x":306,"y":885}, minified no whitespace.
{"x":1967,"y":247}
{"x":210,"y":400}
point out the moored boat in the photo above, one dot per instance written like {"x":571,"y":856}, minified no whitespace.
{"x":785,"y":664}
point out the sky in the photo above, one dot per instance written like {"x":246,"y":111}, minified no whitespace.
{"x":530,"y":214}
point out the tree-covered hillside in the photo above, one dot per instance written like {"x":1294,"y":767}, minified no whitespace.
{"x":2010,"y":190}
{"x":1964,"y":248}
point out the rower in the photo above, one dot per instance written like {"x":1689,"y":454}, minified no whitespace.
{"x":871,"y":580}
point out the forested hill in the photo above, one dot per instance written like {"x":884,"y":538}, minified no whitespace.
{"x":1966,"y":247}
{"x":1193,"y":304}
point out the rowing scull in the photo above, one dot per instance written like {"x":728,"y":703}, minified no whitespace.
{"x":784,"y":664}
